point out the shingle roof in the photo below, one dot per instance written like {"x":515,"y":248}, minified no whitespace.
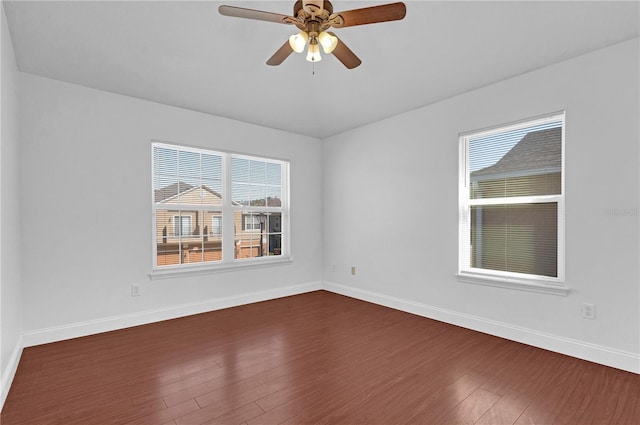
{"x":175,"y":189}
{"x":166,"y":192}
{"x":538,"y":150}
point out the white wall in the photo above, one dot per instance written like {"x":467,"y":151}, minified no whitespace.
{"x":391,"y":209}
{"x":86,"y":200}
{"x":10,"y":288}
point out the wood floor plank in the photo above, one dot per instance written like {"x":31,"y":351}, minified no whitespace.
{"x":439,"y":405}
{"x":238,"y":416}
{"x":167,"y":414}
{"x":471,"y":409}
{"x":628,"y":407}
{"x":232,"y":397}
{"x":596,"y":397}
{"x":296,"y":360}
{"x":222,"y":416}
{"x":412,"y":379}
{"x":316,"y":358}
{"x":323,"y":399}
{"x":554,"y":397}
{"x":160,"y":390}
{"x":98,"y":415}
{"x":507,"y":410}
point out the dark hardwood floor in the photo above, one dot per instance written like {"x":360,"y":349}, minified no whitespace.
{"x":317,"y":358}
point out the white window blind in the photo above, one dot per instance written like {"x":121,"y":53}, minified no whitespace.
{"x":201,"y":199}
{"x":512,"y":201}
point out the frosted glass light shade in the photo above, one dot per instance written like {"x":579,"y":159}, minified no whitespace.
{"x":298,"y":41}
{"x":313,"y":55}
{"x":328,"y":41}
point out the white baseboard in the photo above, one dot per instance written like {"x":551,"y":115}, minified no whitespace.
{"x":583,"y":350}
{"x":75,"y":330}
{"x":10,"y":372}
{"x":596,"y":353}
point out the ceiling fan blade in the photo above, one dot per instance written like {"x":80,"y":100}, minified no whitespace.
{"x":345,"y":55}
{"x":369,"y":15}
{"x":282,"y":53}
{"x":240,"y":12}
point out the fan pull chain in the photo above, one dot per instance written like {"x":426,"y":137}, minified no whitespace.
{"x":313,"y":68}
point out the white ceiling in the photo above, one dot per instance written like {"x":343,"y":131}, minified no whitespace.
{"x":186,"y":54}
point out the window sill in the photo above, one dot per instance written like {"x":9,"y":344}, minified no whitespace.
{"x":182,"y":271}
{"x":514,"y":283}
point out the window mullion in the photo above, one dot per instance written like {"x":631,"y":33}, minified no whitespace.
{"x":228,"y":222}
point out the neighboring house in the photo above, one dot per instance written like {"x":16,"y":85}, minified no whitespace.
{"x":532,"y":167}
{"x":194,"y":236}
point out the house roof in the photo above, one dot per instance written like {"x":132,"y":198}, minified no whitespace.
{"x":168,"y":192}
{"x":174,"y":190}
{"x":538,"y":151}
{"x":162,"y":194}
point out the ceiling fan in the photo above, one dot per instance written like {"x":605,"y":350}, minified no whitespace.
{"x":313,"y":18}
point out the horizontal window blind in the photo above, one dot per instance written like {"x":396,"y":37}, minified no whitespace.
{"x":520,"y":238}
{"x":256,"y":183}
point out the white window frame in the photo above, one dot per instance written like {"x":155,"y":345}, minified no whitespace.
{"x":227,"y":210}
{"x":511,"y":280}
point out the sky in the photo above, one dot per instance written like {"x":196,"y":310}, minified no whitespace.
{"x":486,"y":150}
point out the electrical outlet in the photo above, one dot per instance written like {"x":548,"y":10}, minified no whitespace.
{"x":588,"y":311}
{"x":353,"y":270}
{"x":135,"y":290}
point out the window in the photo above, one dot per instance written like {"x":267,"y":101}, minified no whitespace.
{"x":181,"y":225}
{"x":512,"y":205}
{"x":251,"y":222}
{"x":216,"y":225}
{"x":215,"y":209}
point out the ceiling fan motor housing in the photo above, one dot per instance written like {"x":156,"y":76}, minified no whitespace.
{"x":314,"y":17}
{"x":312,"y":7}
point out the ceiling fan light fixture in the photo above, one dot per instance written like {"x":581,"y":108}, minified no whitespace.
{"x":313,"y":54}
{"x":328,"y":41}
{"x":298,"y":41}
